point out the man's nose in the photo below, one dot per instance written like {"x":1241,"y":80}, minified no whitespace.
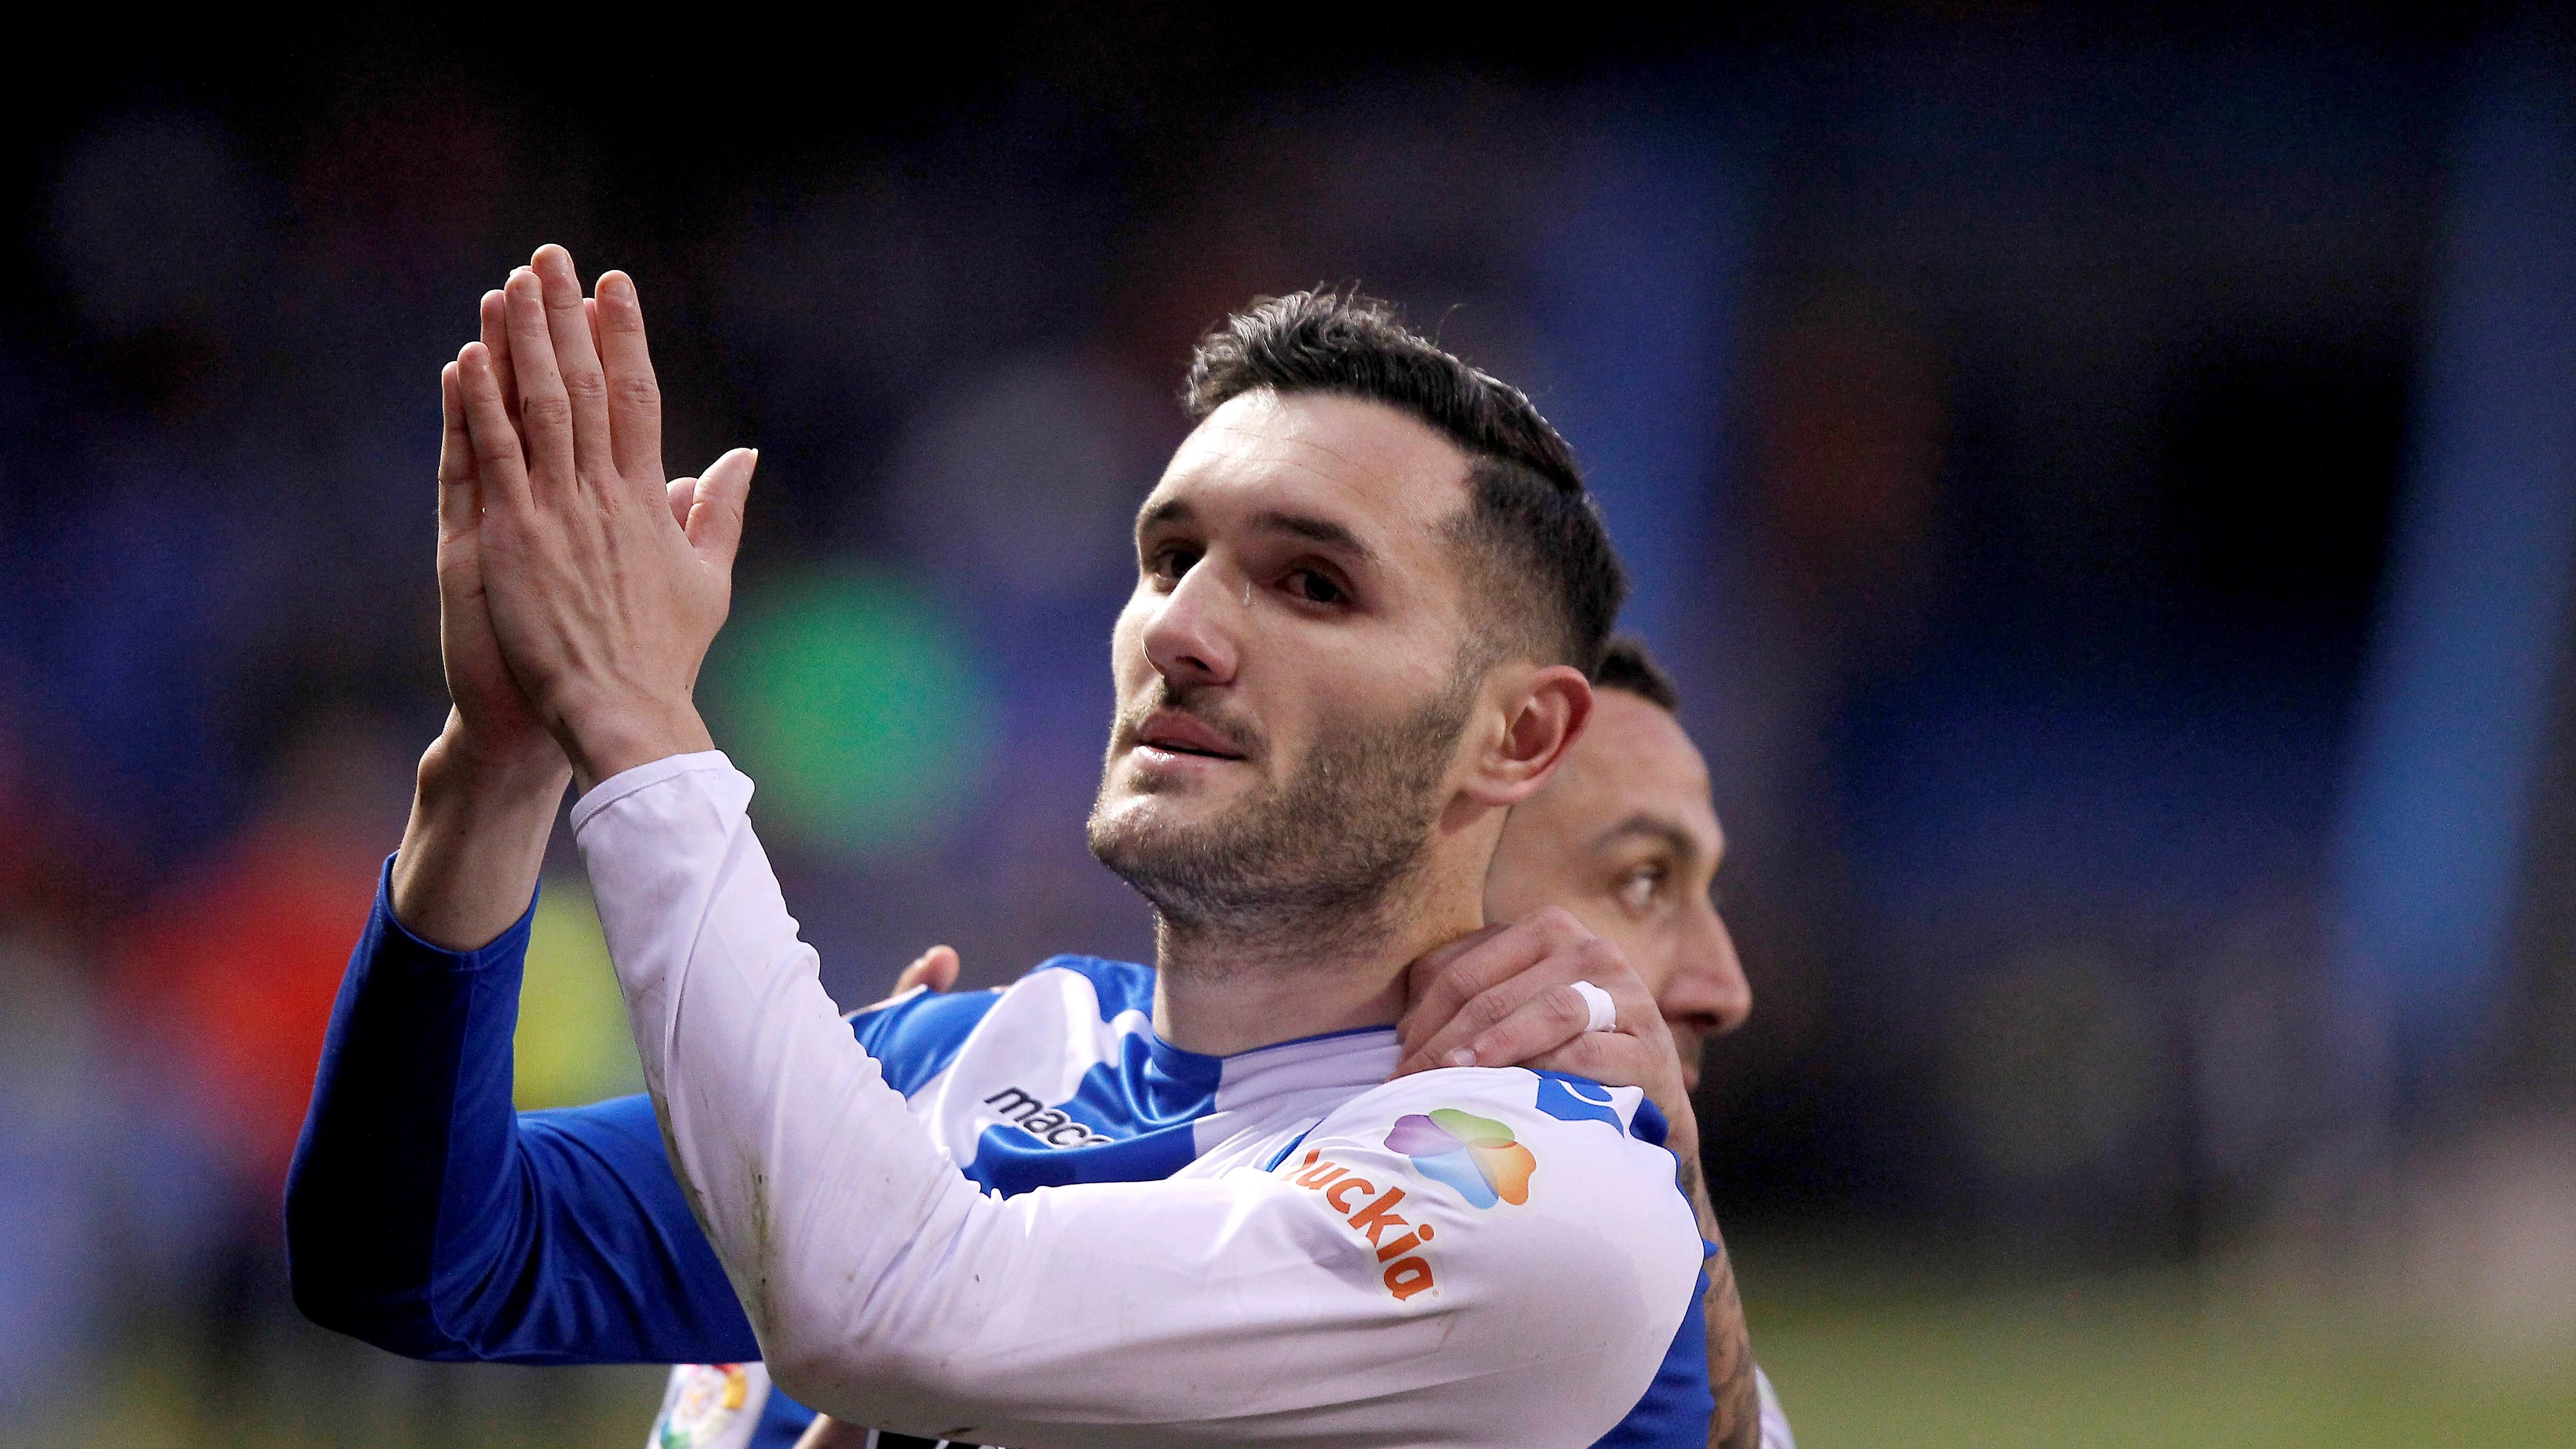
{"x":1708,"y":989}
{"x":1193,"y":636}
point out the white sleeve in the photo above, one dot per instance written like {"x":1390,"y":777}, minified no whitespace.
{"x":1775,"y":1418}
{"x":1356,"y":1294}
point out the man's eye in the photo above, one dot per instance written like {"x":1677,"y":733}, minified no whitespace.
{"x":1170,"y":562}
{"x":1314,"y":588}
{"x":1637,"y":889}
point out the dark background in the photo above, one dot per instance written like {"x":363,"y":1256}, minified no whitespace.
{"x":2105,"y":478}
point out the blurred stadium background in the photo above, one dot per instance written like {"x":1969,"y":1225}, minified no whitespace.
{"x":2105,"y":478}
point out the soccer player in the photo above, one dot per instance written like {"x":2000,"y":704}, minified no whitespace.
{"x":1306,"y":784}
{"x":1625,"y":836}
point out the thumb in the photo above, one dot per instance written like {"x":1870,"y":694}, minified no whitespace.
{"x":715,"y":516}
{"x":935,"y":968}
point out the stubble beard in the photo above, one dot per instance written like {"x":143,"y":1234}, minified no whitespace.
{"x":1317,"y":864}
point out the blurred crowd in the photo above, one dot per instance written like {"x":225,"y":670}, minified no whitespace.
{"x":2109,"y":509}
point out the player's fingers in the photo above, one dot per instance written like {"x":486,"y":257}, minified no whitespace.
{"x":1542,"y":1022}
{"x":1428,"y":966}
{"x":1568,"y":958}
{"x":715,"y":517}
{"x":545,"y":409}
{"x":455,"y":445}
{"x":680,"y":493}
{"x":935,"y":968}
{"x":585,"y":383}
{"x":1440,"y":1044}
{"x":1529,"y":1019}
{"x":498,"y":463}
{"x":496,"y":336}
{"x":1552,"y":1029}
{"x":1445,"y":979}
{"x":634,"y":397}
{"x":456,"y":477}
{"x":1487,"y":963}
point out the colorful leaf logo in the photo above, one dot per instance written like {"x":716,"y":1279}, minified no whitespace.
{"x":1476,"y":1156}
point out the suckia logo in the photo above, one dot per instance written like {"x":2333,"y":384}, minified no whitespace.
{"x":1373,"y":1214}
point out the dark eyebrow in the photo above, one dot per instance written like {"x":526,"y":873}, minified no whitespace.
{"x":1170,"y":510}
{"x":1315,"y":530}
{"x":1672,"y":835}
{"x":1303,"y":525}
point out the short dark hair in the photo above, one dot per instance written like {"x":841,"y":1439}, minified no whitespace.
{"x":1627,"y":665}
{"x":1534,"y":533}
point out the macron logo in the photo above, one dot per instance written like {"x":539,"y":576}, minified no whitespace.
{"x":1047,"y":1124}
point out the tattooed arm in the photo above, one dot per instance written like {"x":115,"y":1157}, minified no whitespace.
{"x":1738,"y":1423}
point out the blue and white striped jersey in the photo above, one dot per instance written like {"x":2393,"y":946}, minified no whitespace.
{"x":1021,"y":1218}
{"x":1059,"y":1078}
{"x":426,"y":1217}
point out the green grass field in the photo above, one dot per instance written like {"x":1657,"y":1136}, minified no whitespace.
{"x":1884,"y":1361}
{"x":1866,"y":1357}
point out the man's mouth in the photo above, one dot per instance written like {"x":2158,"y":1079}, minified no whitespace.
{"x":1170,"y":732}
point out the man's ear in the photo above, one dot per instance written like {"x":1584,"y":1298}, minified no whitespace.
{"x":1545,"y":711}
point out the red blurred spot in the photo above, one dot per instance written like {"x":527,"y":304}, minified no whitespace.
{"x":233,"y":974}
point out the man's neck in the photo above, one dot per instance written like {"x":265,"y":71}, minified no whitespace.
{"x":1218,"y":994}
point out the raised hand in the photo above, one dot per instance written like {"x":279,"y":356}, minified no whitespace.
{"x":602,"y":602}
{"x":492,"y":722}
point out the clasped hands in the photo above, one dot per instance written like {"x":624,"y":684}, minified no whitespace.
{"x":579,"y":590}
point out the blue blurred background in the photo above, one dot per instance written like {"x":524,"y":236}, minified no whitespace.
{"x":2105,"y":479}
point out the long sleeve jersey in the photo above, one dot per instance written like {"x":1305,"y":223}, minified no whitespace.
{"x":1463,"y":1257}
{"x":427,"y":1217}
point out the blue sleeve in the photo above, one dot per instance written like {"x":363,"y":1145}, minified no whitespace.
{"x":783,"y":1422}
{"x":914,"y":1037}
{"x":1679,"y":1404}
{"x":427,"y":1217}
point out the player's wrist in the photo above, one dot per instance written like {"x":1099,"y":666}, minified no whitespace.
{"x":606,"y":735}
{"x":522,"y":756}
{"x":477,"y":837}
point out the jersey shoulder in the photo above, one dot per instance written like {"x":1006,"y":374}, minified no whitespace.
{"x":1492,"y":1104}
{"x":1519,"y":1201}
{"x":1119,"y":986}
{"x":915,"y":1036}
{"x":1515,"y":1152}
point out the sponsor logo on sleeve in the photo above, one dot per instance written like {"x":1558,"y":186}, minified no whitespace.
{"x":1371,"y":1210}
{"x":1476,"y":1157}
{"x":1050,"y":1125}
